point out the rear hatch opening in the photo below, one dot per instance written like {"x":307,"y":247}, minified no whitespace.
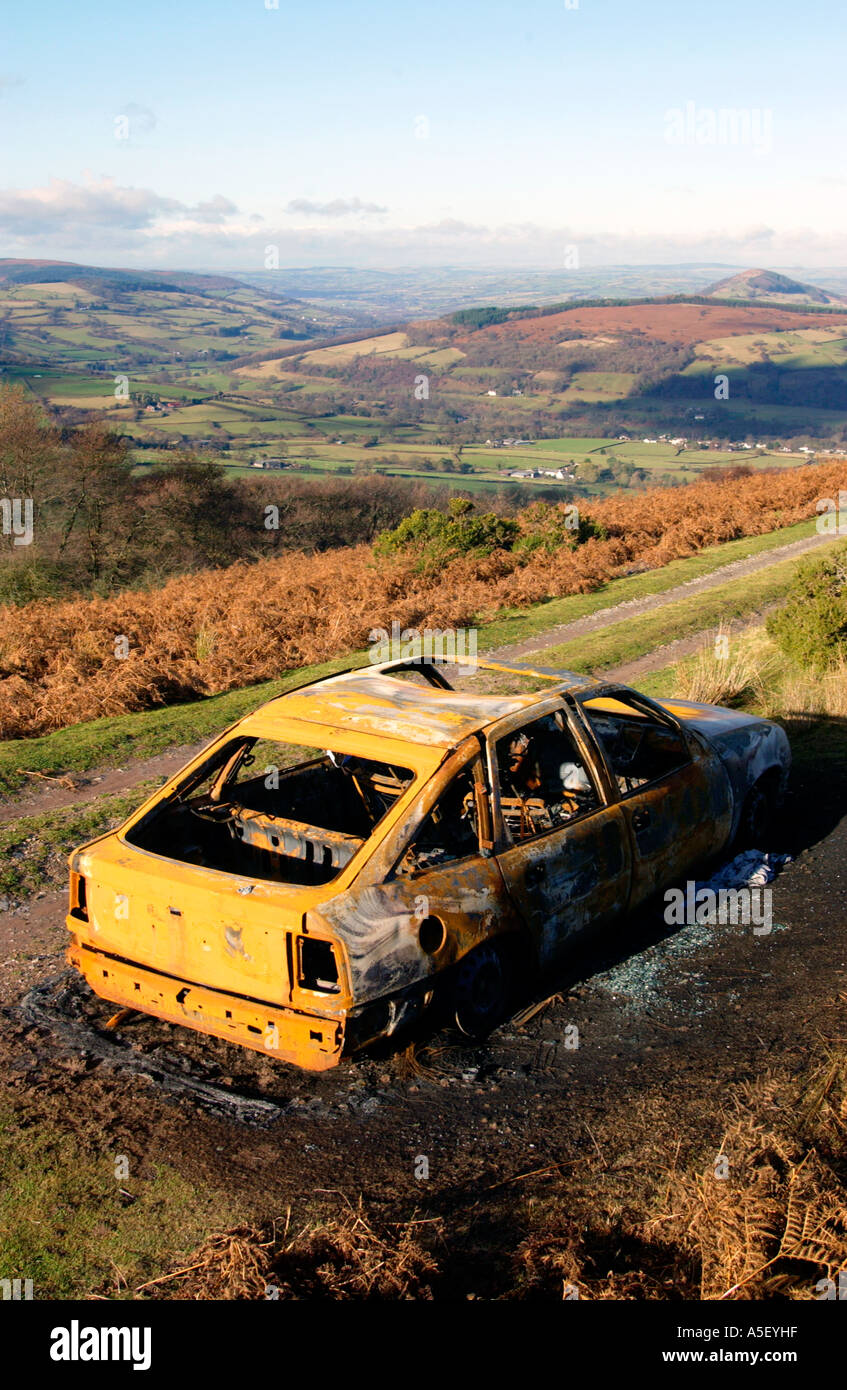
{"x":272,"y":811}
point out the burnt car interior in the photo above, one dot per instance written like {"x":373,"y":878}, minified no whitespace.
{"x":543,"y":780}
{"x":639,"y":746}
{"x":450,"y":831}
{"x":270,"y":811}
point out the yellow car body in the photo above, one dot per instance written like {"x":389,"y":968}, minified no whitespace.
{"x":313,"y":907}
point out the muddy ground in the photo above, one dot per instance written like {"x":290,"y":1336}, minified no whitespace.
{"x":526,"y":1127}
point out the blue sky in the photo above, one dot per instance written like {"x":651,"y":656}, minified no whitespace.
{"x":202,"y":134}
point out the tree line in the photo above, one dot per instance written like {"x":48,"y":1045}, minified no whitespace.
{"x":99,"y":524}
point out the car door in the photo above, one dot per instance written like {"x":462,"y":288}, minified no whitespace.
{"x":432,"y":892}
{"x":566,"y":862}
{"x":677,"y":807}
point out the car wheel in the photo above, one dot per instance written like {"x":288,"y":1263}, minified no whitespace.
{"x":483,"y":988}
{"x":754,"y":828}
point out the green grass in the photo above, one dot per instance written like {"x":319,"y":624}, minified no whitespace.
{"x":34,"y":849}
{"x":631,"y":638}
{"x":66,"y":1224}
{"x":661,"y":458}
{"x":519,"y":624}
{"x":110,"y":742}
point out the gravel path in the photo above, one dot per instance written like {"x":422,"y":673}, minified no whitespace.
{"x":633,"y":608}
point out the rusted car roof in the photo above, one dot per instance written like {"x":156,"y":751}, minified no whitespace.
{"x":373,"y":701}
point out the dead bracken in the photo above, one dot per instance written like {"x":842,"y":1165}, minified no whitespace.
{"x":277,"y":615}
{"x":341,"y":1257}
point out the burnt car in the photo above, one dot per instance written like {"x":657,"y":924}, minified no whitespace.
{"x":368,"y":843}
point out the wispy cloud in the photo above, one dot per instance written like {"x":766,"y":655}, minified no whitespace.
{"x":128,"y":225}
{"x":66,"y":209}
{"x":339,"y":207}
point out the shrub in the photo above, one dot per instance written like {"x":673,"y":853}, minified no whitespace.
{"x":439,"y":536}
{"x":811,"y":627}
{"x":549,"y":528}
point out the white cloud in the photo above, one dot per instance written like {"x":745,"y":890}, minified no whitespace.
{"x":65,"y":210}
{"x":125,"y":225}
{"x":339,"y":207}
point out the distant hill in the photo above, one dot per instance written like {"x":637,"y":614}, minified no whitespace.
{"x":769,"y":287}
{"x":31,"y":272}
{"x":60,"y":312}
{"x":414,"y":292}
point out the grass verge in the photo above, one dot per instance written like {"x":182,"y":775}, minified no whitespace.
{"x":630,"y":638}
{"x":34,"y":849}
{"x":519,"y":624}
{"x":114,"y":740}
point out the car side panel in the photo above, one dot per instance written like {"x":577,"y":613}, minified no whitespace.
{"x":566,"y":880}
{"x":678,"y":822}
{"x":380,"y":916}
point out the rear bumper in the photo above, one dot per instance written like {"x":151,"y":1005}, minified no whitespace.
{"x":306,"y":1040}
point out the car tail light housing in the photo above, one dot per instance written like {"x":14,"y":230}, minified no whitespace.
{"x":317,"y":965}
{"x":78,"y":897}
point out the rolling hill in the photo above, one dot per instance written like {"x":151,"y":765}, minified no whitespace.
{"x":600,"y":369}
{"x":58,"y":312}
{"x":768,"y":287}
{"x":255,"y":379}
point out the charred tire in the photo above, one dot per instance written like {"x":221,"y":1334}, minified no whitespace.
{"x":484,"y":987}
{"x":757,"y":816}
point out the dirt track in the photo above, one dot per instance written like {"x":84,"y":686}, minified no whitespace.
{"x":634,"y":608}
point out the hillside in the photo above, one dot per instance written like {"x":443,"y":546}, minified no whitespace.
{"x":768,"y":287}
{"x":106,"y":278}
{"x":601,"y":393}
{"x":218,"y":629}
{"x":97,"y":318}
{"x":599,"y":370}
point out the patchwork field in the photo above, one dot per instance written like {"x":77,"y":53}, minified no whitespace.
{"x":213,"y":367}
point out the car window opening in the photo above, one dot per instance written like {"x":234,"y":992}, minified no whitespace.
{"x":543,"y":780}
{"x":638,"y":749}
{"x":449,"y":832}
{"x":274,"y":811}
